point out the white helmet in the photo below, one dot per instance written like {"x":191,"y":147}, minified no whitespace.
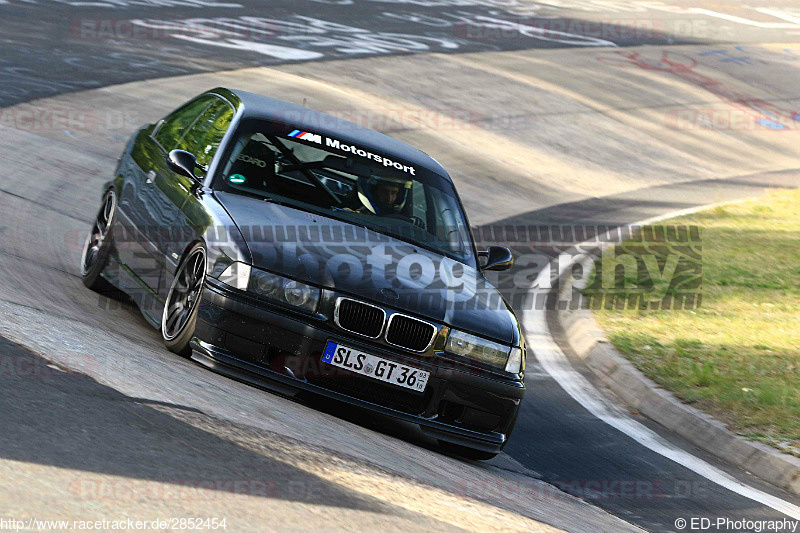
{"x":383,"y":195}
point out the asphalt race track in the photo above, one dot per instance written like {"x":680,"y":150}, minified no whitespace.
{"x":544,"y":113}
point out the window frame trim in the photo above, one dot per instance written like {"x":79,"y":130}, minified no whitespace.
{"x":163,"y":120}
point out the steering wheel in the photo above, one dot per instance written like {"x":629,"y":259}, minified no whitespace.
{"x":413,"y":219}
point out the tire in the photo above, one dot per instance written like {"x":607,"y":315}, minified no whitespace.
{"x":466,"y":453}
{"x":97,"y":247}
{"x":180,"y":308}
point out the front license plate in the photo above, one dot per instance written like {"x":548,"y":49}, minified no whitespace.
{"x":375,"y":367}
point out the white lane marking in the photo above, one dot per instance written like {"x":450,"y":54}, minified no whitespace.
{"x":555,"y":363}
{"x":279,"y":52}
{"x":788,"y":17}
{"x":742,"y":20}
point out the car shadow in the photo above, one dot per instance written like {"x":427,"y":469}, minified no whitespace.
{"x":70,"y":421}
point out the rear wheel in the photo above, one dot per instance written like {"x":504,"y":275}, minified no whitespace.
{"x":180,"y":309}
{"x":98,"y":245}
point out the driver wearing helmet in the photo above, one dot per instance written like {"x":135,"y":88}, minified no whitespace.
{"x":383,"y":195}
{"x":386,"y":194}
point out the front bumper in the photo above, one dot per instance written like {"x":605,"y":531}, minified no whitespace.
{"x":281,"y":351}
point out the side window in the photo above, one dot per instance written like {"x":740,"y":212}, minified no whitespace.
{"x":176,"y":124}
{"x":203,"y":138}
{"x":449,"y":227}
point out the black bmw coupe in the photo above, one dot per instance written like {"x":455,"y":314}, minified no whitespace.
{"x":307,"y":255}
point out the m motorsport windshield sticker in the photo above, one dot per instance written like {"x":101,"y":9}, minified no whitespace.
{"x":337,"y":144}
{"x":306,"y":136}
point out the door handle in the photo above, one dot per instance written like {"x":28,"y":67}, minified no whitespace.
{"x":150,"y":176}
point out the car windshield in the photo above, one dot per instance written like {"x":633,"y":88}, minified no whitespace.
{"x":344,"y":181}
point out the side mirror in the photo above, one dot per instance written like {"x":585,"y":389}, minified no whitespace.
{"x":497,"y":258}
{"x":183,"y":163}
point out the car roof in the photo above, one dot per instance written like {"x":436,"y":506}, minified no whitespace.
{"x":302,"y":118}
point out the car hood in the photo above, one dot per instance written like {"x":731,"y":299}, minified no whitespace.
{"x":338,"y":255}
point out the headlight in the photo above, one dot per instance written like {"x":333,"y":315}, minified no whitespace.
{"x":272,"y":286}
{"x":266,"y":284}
{"x":284,"y":290}
{"x":300,"y":294}
{"x":492,"y":353}
{"x":478,"y":349}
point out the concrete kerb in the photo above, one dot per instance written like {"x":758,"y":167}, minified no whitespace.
{"x":587,"y":341}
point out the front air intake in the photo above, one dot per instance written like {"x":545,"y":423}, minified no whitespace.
{"x":359,"y":317}
{"x":410,"y":333}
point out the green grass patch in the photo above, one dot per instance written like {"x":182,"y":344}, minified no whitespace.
{"x":737,"y":356}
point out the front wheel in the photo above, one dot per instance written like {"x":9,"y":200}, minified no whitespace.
{"x":98,"y":245}
{"x":180,"y":309}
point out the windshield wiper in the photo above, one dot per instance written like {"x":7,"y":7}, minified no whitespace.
{"x":271,"y":200}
